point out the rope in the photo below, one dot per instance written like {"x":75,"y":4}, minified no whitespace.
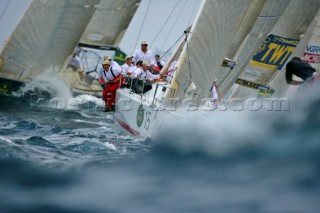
{"x":172,"y":46}
{"x":145,"y":15}
{"x":165,"y":23}
{"x":194,"y":9}
{"x":5,"y":9}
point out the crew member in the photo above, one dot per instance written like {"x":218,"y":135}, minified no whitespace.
{"x":111,"y":79}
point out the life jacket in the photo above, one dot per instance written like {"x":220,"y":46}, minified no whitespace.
{"x":159,"y":65}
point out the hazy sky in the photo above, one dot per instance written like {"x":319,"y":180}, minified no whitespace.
{"x":183,"y":13}
{"x":158,"y":13}
{"x":10,"y":13}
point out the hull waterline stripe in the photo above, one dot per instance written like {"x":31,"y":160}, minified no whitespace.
{"x":127,"y":127}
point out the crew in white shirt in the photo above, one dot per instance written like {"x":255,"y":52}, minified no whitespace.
{"x":126,"y":66}
{"x":145,"y":73}
{"x":144,"y":54}
{"x":113,"y":63}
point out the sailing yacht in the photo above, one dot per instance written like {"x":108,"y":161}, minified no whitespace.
{"x":101,"y":37}
{"x":198,"y":64}
{"x":47,"y":33}
{"x":223,"y":32}
{"x":51,"y":31}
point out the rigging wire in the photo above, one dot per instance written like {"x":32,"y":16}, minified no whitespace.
{"x":145,"y":15}
{"x":4,"y":10}
{"x":165,"y":22}
{"x":192,"y":14}
{"x":172,"y":45}
{"x":174,"y":24}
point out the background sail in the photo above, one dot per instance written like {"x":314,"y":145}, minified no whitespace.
{"x":311,"y":36}
{"x":269,"y":15}
{"x":293,"y":23}
{"x":109,"y":22}
{"x":45,"y":36}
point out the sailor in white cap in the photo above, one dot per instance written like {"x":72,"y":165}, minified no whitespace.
{"x":110,"y":78}
{"x":113,"y":63}
{"x":145,"y":73}
{"x":126,"y":66}
{"x":143,"y":54}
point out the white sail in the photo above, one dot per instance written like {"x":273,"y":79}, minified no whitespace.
{"x":109,"y":22}
{"x":211,"y":38}
{"x":101,"y":37}
{"x":45,"y":36}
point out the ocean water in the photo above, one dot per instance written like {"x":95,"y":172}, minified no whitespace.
{"x":68,"y":156}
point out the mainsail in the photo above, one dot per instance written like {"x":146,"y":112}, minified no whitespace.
{"x":45,"y":36}
{"x":109,"y":22}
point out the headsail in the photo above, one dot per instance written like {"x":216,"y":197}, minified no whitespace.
{"x":210,"y":40}
{"x":45,"y":36}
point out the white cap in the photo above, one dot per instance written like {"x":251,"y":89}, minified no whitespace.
{"x":106,"y":62}
{"x":107,"y":57}
{"x":146,"y":63}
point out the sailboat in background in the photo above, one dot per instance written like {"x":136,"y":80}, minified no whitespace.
{"x":214,"y":37}
{"x":51,"y":31}
{"x":101,"y":37}
{"x":48,"y":32}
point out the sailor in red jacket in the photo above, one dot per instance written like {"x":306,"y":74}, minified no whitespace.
{"x":111,"y":78}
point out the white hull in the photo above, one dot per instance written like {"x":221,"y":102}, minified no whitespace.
{"x":141,"y":114}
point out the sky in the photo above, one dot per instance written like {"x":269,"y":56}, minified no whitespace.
{"x":11,"y":12}
{"x":164,"y":22}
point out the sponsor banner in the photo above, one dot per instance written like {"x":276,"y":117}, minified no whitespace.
{"x":251,"y":84}
{"x":311,"y":58}
{"x":312,"y":54}
{"x":265,"y":93}
{"x":274,"y":52}
{"x":119,"y":57}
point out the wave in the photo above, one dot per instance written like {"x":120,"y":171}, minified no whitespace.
{"x":229,"y":133}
